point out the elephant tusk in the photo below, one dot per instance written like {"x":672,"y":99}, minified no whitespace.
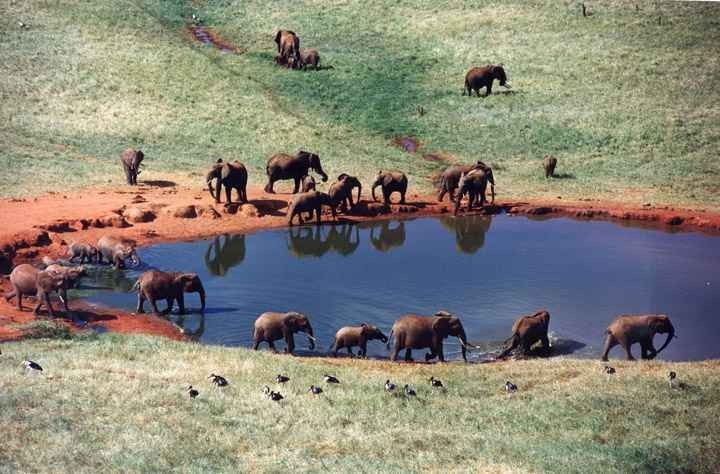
{"x":62,"y":300}
{"x":311,"y":337}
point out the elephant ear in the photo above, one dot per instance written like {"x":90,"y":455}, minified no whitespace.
{"x":443,"y":314}
{"x":225,"y":172}
{"x":291,"y":320}
{"x":342,"y":176}
{"x":277,"y":37}
{"x":442,"y":325}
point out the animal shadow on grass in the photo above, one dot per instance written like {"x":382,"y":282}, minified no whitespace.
{"x":563,"y":176}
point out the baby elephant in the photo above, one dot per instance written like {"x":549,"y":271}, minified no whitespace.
{"x":629,"y":329}
{"x":307,"y":184}
{"x":474,"y":184}
{"x":350,"y":336}
{"x":528,"y":330}
{"x":83,"y":251}
{"x":271,"y":326}
{"x":28,"y":280}
{"x":341,"y":191}
{"x":131,"y":160}
{"x":549,"y":163}
{"x":72,"y":275}
{"x":309,"y":202}
{"x":155,"y":285}
{"x":116,"y":251}
{"x":390,"y":182}
{"x":308,"y":57}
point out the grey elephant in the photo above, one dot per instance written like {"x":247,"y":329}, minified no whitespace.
{"x":307,"y":57}
{"x":450,"y":179}
{"x":351,"y":336}
{"x":155,"y":285}
{"x":479,"y":77}
{"x":390,"y":182}
{"x":282,"y":166}
{"x":307,"y":183}
{"x":630,"y":329}
{"x":528,"y":330}
{"x":72,"y":274}
{"x":288,"y":46}
{"x":116,"y":251}
{"x":131,"y":160}
{"x":27,"y":280}
{"x":474,"y":184}
{"x":549,"y":164}
{"x":418,"y":332}
{"x":310,"y":202}
{"x":271,"y":326}
{"x":232,"y":175}
{"x":341,"y":191}
{"x":83,"y":251}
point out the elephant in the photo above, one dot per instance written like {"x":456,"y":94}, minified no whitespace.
{"x":350,"y":336}
{"x":528,"y":330}
{"x":288,"y":45}
{"x":83,"y":251}
{"x":473,"y":184}
{"x":549,"y":163}
{"x":116,"y":251}
{"x":390,"y":182}
{"x":416,"y":332}
{"x":341,"y":191}
{"x":628,"y":329}
{"x":271,"y":326}
{"x":389,"y":237}
{"x":232,"y":176}
{"x":469,"y":231}
{"x":131,"y":160}
{"x":479,"y":77}
{"x":309,"y":202}
{"x":72,"y":275}
{"x":28,"y":280}
{"x":307,"y":57}
{"x":451,"y":177}
{"x":307,"y":184}
{"x":227,"y":254}
{"x":155,"y":285}
{"x":282,"y":166}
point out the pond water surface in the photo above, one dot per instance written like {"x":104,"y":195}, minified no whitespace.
{"x":487,"y":270}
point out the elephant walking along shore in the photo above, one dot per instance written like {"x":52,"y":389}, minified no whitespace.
{"x":418,"y":332}
{"x":155,"y":285}
{"x":627,"y":330}
{"x":270,"y":327}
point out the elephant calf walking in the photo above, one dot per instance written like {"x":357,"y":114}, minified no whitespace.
{"x":270,"y":327}
{"x":350,"y":336}
{"x":627,"y":330}
{"x":418,"y":332}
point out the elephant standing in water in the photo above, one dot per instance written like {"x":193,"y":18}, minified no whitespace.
{"x":270,"y":327}
{"x":479,"y":77}
{"x":469,"y":231}
{"x":418,"y":332}
{"x":224,"y":253}
{"x":155,"y":285}
{"x":116,"y":251}
{"x":282,"y":166}
{"x":474,"y":185}
{"x":231,"y":176}
{"x":528,"y":330}
{"x":388,"y":237}
{"x":627,"y":330}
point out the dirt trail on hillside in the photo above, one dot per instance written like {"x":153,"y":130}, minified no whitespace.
{"x":159,"y":211}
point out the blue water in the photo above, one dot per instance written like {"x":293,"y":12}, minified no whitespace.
{"x":486,"y":270}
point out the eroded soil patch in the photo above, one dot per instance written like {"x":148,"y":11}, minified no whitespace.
{"x":209,"y":37}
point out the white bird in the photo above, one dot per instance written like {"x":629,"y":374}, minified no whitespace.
{"x":219,"y":380}
{"x":282,"y":378}
{"x":609,"y":370}
{"x":389,"y":386}
{"x":436,"y":383}
{"x":671,"y":378}
{"x":510,"y":387}
{"x":315,"y":390}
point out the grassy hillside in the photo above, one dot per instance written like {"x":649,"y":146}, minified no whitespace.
{"x":628,"y":98}
{"x":118,"y":403}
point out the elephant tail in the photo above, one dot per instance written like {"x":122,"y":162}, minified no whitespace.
{"x":136,"y":286}
{"x":389,"y":339}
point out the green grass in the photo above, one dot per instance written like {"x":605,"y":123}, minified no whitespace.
{"x":118,"y":403}
{"x":629,"y":106}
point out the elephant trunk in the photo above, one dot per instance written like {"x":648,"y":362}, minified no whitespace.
{"x":670,"y":335}
{"x":311,"y":338}
{"x":463,"y":344}
{"x":359,"y":188}
{"x":210,"y":188}
{"x":201,"y":291}
{"x":373,"y":192}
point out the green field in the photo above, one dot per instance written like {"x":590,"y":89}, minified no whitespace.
{"x":628,"y":98}
{"x":116,"y":403}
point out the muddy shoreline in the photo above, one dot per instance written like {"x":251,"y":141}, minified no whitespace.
{"x":157,"y":212}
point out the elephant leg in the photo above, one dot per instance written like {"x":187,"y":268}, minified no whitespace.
{"x":318,"y":210}
{"x":363,"y":349}
{"x":181,"y":302}
{"x":626,"y":345}
{"x":153,"y":304}
{"x":269,"y":186}
{"x":170,"y":303}
{"x":394,"y":353}
{"x":257,"y":339}
{"x":228,"y":194}
{"x":289,"y":343}
{"x":651,"y":349}
{"x":610,"y":342}
{"x":271,"y":344}
{"x":128,"y":176}
{"x":402,"y":196}
{"x":296,"y":188}
{"x":477,"y":92}
{"x":442,"y":193}
{"x":546,"y":344}
{"x":19,"y":299}
{"x":65,"y":299}
{"x":489,"y":89}
{"x":349,"y":349}
{"x":408,"y":355}
{"x":440,"y":354}
{"x":513,"y":345}
{"x":386,"y":196}
{"x":141,"y":302}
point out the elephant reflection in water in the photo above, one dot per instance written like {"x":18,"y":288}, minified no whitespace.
{"x":469,"y":231}
{"x":222,"y":255}
{"x":194,"y":334}
{"x":316,"y":241}
{"x":388,"y":236}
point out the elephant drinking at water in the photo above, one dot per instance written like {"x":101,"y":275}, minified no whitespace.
{"x":270,"y":327}
{"x":417,"y":332}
